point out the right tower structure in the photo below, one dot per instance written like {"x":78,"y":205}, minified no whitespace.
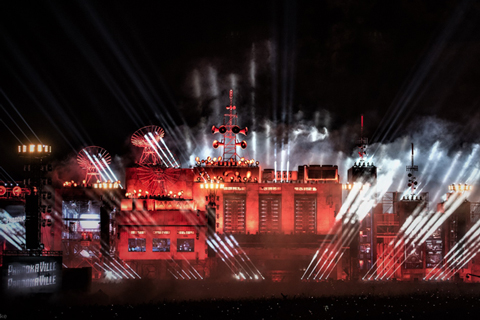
{"x":362,"y":178}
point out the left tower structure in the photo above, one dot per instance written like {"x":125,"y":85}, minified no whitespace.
{"x":36,"y":167}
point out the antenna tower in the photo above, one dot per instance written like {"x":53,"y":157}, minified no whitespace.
{"x":362,"y":143}
{"x":229,"y":130}
{"x":412,"y":180}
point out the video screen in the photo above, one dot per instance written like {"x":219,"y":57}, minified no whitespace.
{"x":185,"y":245}
{"x":433,"y":260}
{"x":137,"y":245}
{"x":434,"y":252}
{"x":82,"y":215}
{"x":161,"y":245}
{"x":437,"y":234}
{"x":434,"y":246}
{"x":414,"y":257}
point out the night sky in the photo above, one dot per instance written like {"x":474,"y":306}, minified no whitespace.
{"x":80,"y":73}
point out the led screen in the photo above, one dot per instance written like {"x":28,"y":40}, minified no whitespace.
{"x":434,"y":251}
{"x":413,"y":257}
{"x":137,"y":245}
{"x":32,"y":274}
{"x":161,"y":245}
{"x":185,"y":245}
{"x":12,"y":223}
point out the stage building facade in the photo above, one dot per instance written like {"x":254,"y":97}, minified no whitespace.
{"x":225,"y":217}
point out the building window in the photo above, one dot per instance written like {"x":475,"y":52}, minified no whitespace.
{"x":161,"y":245}
{"x":234,"y":213}
{"x":305,"y":214}
{"x":270,"y":213}
{"x":137,"y":245}
{"x":185,"y":245}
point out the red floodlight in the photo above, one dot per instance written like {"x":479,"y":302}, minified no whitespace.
{"x":222,"y":129}
{"x":242,"y":144}
{"x":17,"y":191}
{"x":237,"y":130}
{"x":217,"y":144}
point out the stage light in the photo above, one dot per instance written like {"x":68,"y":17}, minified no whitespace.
{"x":237,"y":130}
{"x":37,"y":149}
{"x":242,"y":144}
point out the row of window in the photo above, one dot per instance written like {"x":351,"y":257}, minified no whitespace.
{"x":270,"y":213}
{"x":160,"y":245}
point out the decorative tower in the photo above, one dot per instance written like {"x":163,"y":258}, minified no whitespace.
{"x":229,"y":130}
{"x":155,"y":151}
{"x":95,"y":161}
{"x":35,"y":169}
{"x":412,"y":180}
{"x":413,"y":266}
{"x":158,"y":169}
{"x":362,"y":143}
{"x":362,"y":178}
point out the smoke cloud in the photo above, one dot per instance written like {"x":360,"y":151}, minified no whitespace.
{"x":313,"y":137}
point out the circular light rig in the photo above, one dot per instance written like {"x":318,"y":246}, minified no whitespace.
{"x":138,"y":137}
{"x":95,"y":160}
{"x":155,"y":151}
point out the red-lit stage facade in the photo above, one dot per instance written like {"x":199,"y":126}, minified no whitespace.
{"x":227,"y":218}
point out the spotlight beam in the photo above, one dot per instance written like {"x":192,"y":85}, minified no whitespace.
{"x":159,"y":148}
{"x":94,"y":164}
{"x":155,"y":149}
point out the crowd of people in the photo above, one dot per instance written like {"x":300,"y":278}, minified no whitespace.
{"x":260,"y":300}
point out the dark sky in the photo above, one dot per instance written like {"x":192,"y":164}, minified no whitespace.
{"x":93,"y":72}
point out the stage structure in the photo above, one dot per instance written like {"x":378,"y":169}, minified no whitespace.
{"x":357,"y":223}
{"x":12,"y":215}
{"x":229,"y":129}
{"x":451,"y":248}
{"x":155,"y":152}
{"x":34,"y":268}
{"x":88,"y":218}
{"x":89,"y":228}
{"x":35,"y":170}
{"x":157,"y":172}
{"x":161,"y":233}
{"x":95,"y":161}
{"x":228,"y":218}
